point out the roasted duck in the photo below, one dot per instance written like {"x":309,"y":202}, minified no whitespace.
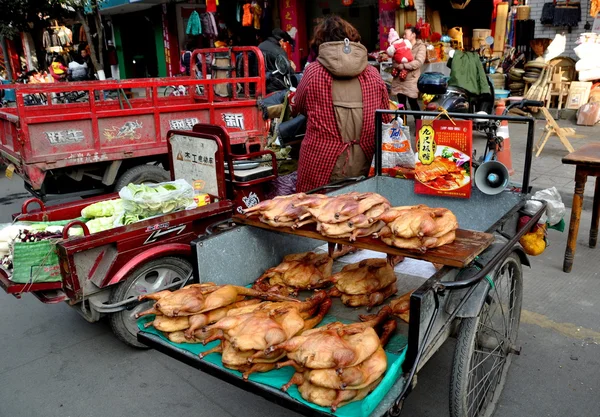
{"x":279,"y":211}
{"x":326,"y":397}
{"x":201,"y":298}
{"x":401,"y":307}
{"x":417,"y":227}
{"x":415,"y":243}
{"x":358,"y":376}
{"x":192,"y":323}
{"x":440,"y":167}
{"x":335,"y":345}
{"x":366,"y":283}
{"x":302,"y":271}
{"x":369,"y":300}
{"x":364,"y":277}
{"x":263,"y":328}
{"x":334,"y":387}
{"x":245,"y":336}
{"x":340,"y":208}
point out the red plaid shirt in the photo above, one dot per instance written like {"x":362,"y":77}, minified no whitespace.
{"x":323,"y":143}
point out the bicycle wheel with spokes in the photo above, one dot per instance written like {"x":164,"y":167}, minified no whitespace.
{"x":486,"y":344}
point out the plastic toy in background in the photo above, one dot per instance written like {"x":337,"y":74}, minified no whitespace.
{"x":456,"y":35}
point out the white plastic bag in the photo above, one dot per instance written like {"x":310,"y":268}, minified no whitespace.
{"x":148,"y":200}
{"x":396,"y":149}
{"x":555,"y":208}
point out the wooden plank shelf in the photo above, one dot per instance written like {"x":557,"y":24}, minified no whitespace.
{"x":459,"y":254}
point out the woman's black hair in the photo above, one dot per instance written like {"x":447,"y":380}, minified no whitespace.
{"x":414,"y":30}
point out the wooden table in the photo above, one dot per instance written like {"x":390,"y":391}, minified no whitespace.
{"x":587,"y":161}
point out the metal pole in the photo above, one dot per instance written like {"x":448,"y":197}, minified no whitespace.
{"x":378,"y":144}
{"x":528,"y":155}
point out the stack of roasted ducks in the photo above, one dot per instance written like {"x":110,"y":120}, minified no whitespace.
{"x":247,"y":334}
{"x":344,"y":216}
{"x":182,"y":314}
{"x":366,"y":283}
{"x":353,"y":215}
{"x":338,"y":363}
{"x":417,"y":227}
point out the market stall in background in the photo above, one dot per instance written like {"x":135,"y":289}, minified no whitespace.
{"x":530,"y":49}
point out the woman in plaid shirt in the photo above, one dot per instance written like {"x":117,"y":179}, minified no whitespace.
{"x":338,"y":94}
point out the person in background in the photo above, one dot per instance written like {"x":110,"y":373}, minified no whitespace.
{"x":85,"y":56}
{"x":58,"y":69}
{"x":186,"y":59}
{"x":407,"y":89}
{"x":271,"y":49}
{"x":339,"y":95}
{"x":78,"y":69}
{"x":113,"y":61}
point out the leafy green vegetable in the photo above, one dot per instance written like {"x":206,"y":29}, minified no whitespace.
{"x":447,"y":153}
{"x":103,"y":209}
{"x":142,"y":200}
{"x":101,"y":224}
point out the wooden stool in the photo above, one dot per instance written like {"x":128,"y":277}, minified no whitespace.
{"x":587,"y":161}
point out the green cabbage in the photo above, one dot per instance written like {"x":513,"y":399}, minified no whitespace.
{"x":142,"y":201}
{"x":103,"y":209}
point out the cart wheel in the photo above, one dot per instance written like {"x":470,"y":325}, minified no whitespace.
{"x":142,"y":174}
{"x":486,"y":344}
{"x":148,"y":278}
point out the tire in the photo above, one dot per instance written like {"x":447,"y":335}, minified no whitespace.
{"x":150,"y":277}
{"x":142,"y":174}
{"x":485,"y":345}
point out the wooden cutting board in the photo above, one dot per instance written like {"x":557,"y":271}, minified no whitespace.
{"x":458,"y":254}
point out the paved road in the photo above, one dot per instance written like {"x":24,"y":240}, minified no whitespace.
{"x":57,"y":365}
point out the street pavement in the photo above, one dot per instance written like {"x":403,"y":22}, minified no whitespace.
{"x":55,"y":364}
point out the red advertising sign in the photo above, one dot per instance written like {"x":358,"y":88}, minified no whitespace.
{"x":387,"y":20}
{"x":443,"y":158}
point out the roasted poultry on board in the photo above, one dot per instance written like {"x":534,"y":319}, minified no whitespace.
{"x":366,"y":283}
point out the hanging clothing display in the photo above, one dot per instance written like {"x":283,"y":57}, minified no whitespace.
{"x":238,"y":13}
{"x":82,"y":35}
{"x":194,"y":27}
{"x":594,"y":7}
{"x":256,"y":14}
{"x":209,"y":25}
{"x":247,"y":18}
{"x":46,"y":40}
{"x":65,"y":36}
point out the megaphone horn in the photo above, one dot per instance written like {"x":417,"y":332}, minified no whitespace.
{"x":492,"y":177}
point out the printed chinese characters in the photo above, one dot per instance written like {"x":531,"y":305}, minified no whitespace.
{"x":63,"y":137}
{"x":80,"y":158}
{"x":234,"y":120}
{"x":426,"y":145}
{"x":195,"y":158}
{"x":183,"y":124}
